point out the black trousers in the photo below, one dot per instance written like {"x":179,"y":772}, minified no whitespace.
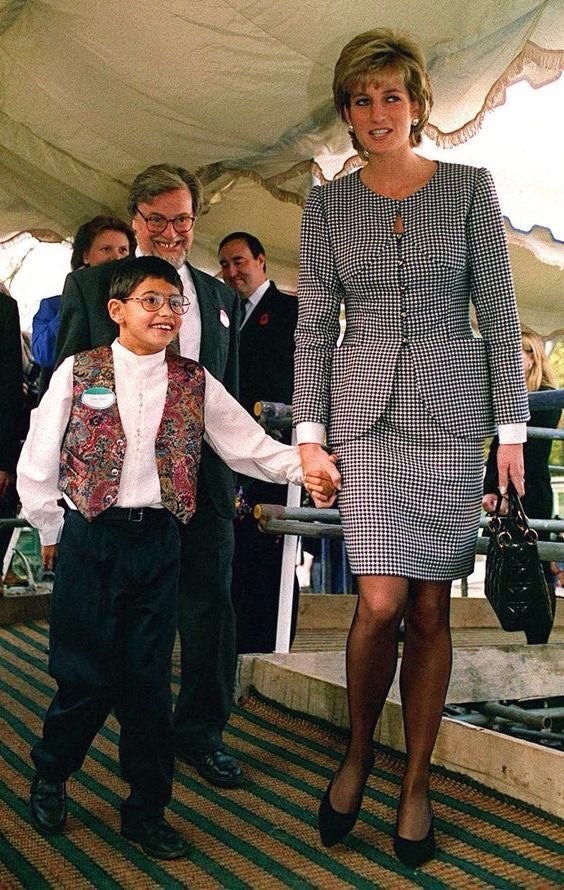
{"x":112,"y":630}
{"x":206,"y":625}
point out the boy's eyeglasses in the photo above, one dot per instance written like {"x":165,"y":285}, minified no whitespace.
{"x":153,"y":301}
{"x":157,"y":223}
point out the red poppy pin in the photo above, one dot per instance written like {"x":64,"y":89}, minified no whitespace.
{"x":264,"y":319}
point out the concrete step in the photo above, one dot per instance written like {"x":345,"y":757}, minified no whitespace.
{"x":313,"y":683}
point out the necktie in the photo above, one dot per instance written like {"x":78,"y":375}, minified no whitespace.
{"x":246,"y":308}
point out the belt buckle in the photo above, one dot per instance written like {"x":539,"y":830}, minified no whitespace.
{"x":135,"y":514}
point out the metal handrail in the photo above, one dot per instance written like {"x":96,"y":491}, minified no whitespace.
{"x":274,"y":519}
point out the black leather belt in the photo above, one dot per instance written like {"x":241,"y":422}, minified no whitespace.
{"x":134,"y":514}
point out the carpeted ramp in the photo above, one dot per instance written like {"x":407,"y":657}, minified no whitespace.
{"x":262,"y":836}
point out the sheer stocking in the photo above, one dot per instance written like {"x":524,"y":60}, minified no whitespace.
{"x":372,"y":651}
{"x":424,"y":677}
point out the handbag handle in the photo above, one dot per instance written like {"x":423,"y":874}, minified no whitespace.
{"x":515,"y":512}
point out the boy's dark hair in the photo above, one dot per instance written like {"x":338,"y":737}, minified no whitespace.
{"x":133,"y":271}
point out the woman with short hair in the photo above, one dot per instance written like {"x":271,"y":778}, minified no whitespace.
{"x":408,"y":245}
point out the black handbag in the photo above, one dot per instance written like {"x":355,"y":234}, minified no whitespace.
{"x":516,"y":584}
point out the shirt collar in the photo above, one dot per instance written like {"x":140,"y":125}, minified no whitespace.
{"x":131,"y":360}
{"x":257,"y":296}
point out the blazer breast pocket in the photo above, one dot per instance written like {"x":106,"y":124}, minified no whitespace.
{"x":369,"y":262}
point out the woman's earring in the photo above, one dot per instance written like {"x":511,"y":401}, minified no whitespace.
{"x":415,"y":121}
{"x":350,"y":130}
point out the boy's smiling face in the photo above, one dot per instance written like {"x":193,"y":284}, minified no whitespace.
{"x":140,"y":331}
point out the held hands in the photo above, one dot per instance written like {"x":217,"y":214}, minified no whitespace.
{"x":49,"y":556}
{"x":322,"y":479}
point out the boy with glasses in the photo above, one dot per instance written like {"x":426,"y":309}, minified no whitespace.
{"x":163,"y":200}
{"x":119,"y":433}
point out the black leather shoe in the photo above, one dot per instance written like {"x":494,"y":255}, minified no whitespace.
{"x":334,"y":826}
{"x":48,"y":804}
{"x":415,"y":853}
{"x":216,"y":767}
{"x":157,"y":838}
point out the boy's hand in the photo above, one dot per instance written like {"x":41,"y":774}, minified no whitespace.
{"x":319,"y":483}
{"x":322,"y":479}
{"x":49,"y":556}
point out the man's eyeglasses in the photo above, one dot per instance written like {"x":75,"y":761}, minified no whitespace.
{"x":153,"y":301}
{"x":157,"y":223}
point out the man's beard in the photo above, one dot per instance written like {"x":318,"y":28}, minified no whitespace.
{"x":177,"y":262}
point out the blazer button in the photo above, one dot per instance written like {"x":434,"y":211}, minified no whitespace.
{"x":404,"y":341}
{"x":115,"y":472}
{"x":108,"y":498}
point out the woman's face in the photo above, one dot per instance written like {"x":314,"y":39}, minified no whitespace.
{"x":381,"y":112}
{"x":107,"y":245}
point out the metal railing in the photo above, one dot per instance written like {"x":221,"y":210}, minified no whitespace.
{"x":310,"y":522}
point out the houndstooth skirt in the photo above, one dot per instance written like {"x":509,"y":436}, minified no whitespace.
{"x":411,"y":492}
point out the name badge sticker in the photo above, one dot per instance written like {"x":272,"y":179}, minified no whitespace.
{"x":224,"y":318}
{"x":98,"y":397}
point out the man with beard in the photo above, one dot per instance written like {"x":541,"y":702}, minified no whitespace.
{"x":164,"y":203}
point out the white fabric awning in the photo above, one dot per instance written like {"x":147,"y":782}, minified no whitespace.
{"x":239,"y":91}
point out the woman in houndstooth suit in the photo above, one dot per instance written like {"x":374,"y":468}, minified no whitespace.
{"x":407,"y":244}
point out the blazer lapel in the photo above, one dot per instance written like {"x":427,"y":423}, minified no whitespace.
{"x":263,"y":308}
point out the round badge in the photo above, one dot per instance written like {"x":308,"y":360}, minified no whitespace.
{"x":99,"y":397}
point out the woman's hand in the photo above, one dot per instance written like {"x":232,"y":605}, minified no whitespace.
{"x":49,"y":556}
{"x":489,"y":502}
{"x":510,"y":468}
{"x":322,"y":479}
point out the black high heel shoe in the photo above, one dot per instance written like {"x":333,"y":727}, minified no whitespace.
{"x":334,"y":826}
{"x":415,"y":853}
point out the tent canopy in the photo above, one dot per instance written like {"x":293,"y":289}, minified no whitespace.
{"x":240,"y":92}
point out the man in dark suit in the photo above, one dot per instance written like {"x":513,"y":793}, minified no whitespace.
{"x":11,"y":411}
{"x":164,"y":202}
{"x":266,"y":373}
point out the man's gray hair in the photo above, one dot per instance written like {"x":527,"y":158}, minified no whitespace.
{"x":163,"y":178}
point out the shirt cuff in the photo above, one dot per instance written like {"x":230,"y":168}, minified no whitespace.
{"x":512,"y":433}
{"x":50,"y":535}
{"x":308,"y":432}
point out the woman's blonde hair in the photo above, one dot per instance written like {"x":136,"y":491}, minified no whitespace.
{"x":367,"y":54}
{"x":540,"y":373}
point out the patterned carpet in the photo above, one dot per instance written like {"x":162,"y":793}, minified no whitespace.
{"x":262,"y":836}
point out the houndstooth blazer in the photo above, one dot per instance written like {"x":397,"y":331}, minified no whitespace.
{"x":410,"y":292}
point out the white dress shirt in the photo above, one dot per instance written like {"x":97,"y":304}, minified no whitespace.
{"x":251,"y":303}
{"x":141,"y":383}
{"x":190,"y":335}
